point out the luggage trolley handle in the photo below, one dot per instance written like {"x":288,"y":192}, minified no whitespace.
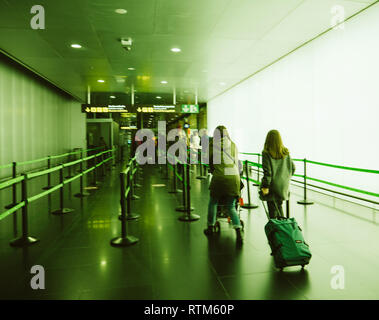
{"x":261,"y":197}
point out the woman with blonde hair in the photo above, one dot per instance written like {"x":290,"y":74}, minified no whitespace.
{"x":278,"y":169}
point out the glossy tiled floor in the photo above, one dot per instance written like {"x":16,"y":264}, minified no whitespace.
{"x":173,"y":259}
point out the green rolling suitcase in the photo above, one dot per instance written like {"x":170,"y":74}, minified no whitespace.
{"x":287,"y":243}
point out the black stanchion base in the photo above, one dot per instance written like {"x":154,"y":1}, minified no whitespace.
{"x":175,"y":191}
{"x":91,"y":188}
{"x":47,"y":188}
{"x":124,"y":242}
{"x":183,"y":209}
{"x":130,"y":216}
{"x":63,"y":211}
{"x":249,"y":206}
{"x":201,"y":177}
{"x":189,"y":217}
{"x":305,"y":202}
{"x":135,"y":197}
{"x":23,"y":242}
{"x":82,"y":195}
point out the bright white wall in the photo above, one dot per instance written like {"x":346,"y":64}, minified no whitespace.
{"x":35,"y":119}
{"x":323,"y":98}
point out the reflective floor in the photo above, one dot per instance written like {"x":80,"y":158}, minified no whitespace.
{"x":173,"y":259}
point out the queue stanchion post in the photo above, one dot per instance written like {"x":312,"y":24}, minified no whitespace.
{"x":25,"y":240}
{"x":248,"y":205}
{"x":124,"y":240}
{"x":48,"y":175}
{"x":132,"y":186}
{"x":95,"y":184}
{"x":202,"y":175}
{"x":183,"y":207}
{"x":62,"y":209}
{"x":305,"y":201}
{"x":14,"y":187}
{"x":188,"y":216}
{"x":136,"y":176}
{"x":259,"y":162}
{"x":69,"y":168}
{"x":174,"y":180}
{"x":82,"y":193}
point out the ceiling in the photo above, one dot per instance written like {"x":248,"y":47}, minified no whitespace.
{"x":222,"y":42}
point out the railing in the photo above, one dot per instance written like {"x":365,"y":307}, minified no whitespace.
{"x":305,"y":178}
{"x":26,"y":199}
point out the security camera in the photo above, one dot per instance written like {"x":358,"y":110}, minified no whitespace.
{"x":126,"y":43}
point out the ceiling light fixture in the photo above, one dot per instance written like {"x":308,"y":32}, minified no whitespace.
{"x":101,"y":81}
{"x":76,"y":46}
{"x":131,"y":68}
{"x":121,"y":11}
{"x":158,"y":97}
{"x":164,"y":82}
{"x":176,"y":50}
{"x":112,"y":97}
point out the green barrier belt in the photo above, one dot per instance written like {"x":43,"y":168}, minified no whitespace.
{"x":42,"y":194}
{"x":11,"y":210}
{"x":88,"y":170}
{"x":41,"y":173}
{"x":302,"y":160}
{"x":60,"y":156}
{"x":110,"y":158}
{"x":251,"y":154}
{"x":342,"y":167}
{"x":89,"y":158}
{"x":251,"y":180}
{"x":127,"y":192}
{"x":69,"y":164}
{"x":254,"y":164}
{"x":345,"y":187}
{"x":72,"y":179}
{"x":32,"y":161}
{"x":126,"y":170}
{"x":298,"y":175}
{"x":11,"y":182}
{"x":6,"y":166}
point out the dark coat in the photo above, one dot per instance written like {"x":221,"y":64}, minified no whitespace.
{"x":223,"y":163}
{"x":277,"y":176}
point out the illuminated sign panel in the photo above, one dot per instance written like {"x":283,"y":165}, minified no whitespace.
{"x":190,"y":108}
{"x":87,"y":108}
{"x":156,"y":108}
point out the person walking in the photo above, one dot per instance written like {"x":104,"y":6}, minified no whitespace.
{"x":225,"y":183}
{"x":278,"y":169}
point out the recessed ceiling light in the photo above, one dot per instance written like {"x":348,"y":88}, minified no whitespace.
{"x":121,"y":11}
{"x":158,"y":97}
{"x":101,"y":81}
{"x":76,"y":46}
{"x":176,"y":50}
{"x":164,"y":82}
{"x":112,"y":97}
{"x":131,"y":68}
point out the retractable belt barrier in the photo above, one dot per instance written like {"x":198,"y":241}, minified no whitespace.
{"x":26,"y":199}
{"x":305,"y":177}
{"x":185,"y":178}
{"x":126,"y":197}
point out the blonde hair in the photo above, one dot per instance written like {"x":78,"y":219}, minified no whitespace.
{"x":274,"y":145}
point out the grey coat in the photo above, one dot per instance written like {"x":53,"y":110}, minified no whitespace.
{"x":277,"y":175}
{"x":223,"y":163}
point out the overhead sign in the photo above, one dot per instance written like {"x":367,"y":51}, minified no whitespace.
{"x":87,"y":108}
{"x":190,"y":108}
{"x":156,"y":108}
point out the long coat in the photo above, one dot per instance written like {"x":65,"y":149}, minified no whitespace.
{"x":223,"y":163}
{"x":277,"y":176}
